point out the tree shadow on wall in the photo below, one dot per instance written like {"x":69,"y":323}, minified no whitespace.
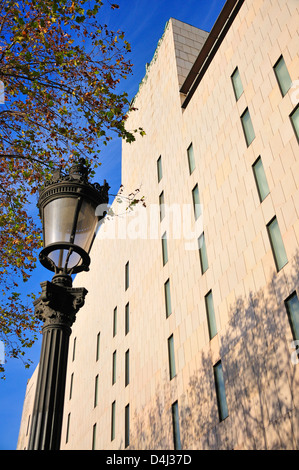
{"x":261,"y":377}
{"x":152,"y":428}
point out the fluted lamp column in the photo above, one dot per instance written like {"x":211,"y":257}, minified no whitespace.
{"x":68,"y":206}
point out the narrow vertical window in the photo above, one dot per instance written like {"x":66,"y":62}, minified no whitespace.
{"x":176,"y":426}
{"x":74,"y":349}
{"x":292,"y":306}
{"x":167,"y":298}
{"x":191,"y":159}
{"x":159,"y":168}
{"x":247,"y":127}
{"x":203,"y":253}
{"x":114,"y":368}
{"x":98,"y":347}
{"x":114,"y":321}
{"x":68,"y":428}
{"x":220,"y":392}
{"x":237,"y":84}
{"x":96,"y":385}
{"x":171,"y":358}
{"x":28,"y":425}
{"x":282,"y":76}
{"x":196,"y":202}
{"x":162,"y":206}
{"x":94,"y":436}
{"x":260,"y":179}
{"x":71,"y":386}
{"x":211,"y":315}
{"x":127,"y":368}
{"x":127,"y":278}
{"x":278,"y":250}
{"x":113,"y":421}
{"x":295,"y":121}
{"x":164,"y":249}
{"x":127,"y":318}
{"x":127,"y":425}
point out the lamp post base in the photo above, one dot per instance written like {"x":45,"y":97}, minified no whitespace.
{"x":57,"y":307}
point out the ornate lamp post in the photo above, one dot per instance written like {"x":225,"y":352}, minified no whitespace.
{"x":67,"y":206}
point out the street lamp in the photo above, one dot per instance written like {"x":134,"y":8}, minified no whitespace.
{"x":67,"y":206}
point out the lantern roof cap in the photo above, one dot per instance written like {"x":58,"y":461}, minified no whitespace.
{"x":76,"y":181}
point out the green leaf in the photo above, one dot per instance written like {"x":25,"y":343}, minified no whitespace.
{"x":80,"y":19}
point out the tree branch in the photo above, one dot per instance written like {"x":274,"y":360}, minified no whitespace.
{"x":25,"y":158}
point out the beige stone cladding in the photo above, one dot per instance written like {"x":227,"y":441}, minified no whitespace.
{"x":252,"y":340}
{"x":24,"y":431}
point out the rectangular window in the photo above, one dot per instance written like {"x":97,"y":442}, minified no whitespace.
{"x":113,"y":420}
{"x":162,"y":206}
{"x":127,"y":318}
{"x":71,"y":386}
{"x":96,"y":384}
{"x":114,"y":368}
{"x":260,"y":179}
{"x":203,"y":253}
{"x":171,"y":359}
{"x":220,"y":392}
{"x":164,"y":249}
{"x":127,"y":425}
{"x":127,"y":368}
{"x":176,"y":426}
{"x":292,"y":306}
{"x":127,"y":277}
{"x":98,"y":347}
{"x":159,"y":168}
{"x":282,"y":76}
{"x":68,"y":423}
{"x":295,"y":121}
{"x":196,"y":202}
{"x":211,"y":315}
{"x":237,"y":84}
{"x":94,"y":436}
{"x":247,"y":127}
{"x":277,"y":245}
{"x":114,"y":321}
{"x":191,"y":160}
{"x":28,"y":425}
{"x":74,"y":349}
{"x":167,"y":298}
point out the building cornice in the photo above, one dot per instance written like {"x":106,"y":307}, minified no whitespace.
{"x":209,"y":49}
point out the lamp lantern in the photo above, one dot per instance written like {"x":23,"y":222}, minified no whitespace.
{"x":67,"y":206}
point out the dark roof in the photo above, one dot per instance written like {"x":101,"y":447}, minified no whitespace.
{"x":210,"y":47}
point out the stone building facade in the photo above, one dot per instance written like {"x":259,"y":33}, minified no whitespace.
{"x":187,"y":339}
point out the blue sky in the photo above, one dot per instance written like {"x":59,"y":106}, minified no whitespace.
{"x":143,"y":23}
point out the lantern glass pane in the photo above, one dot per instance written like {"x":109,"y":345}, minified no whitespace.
{"x":86,"y":226}
{"x":59,"y":257}
{"x":58,"y":220}
{"x":60,"y":216}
